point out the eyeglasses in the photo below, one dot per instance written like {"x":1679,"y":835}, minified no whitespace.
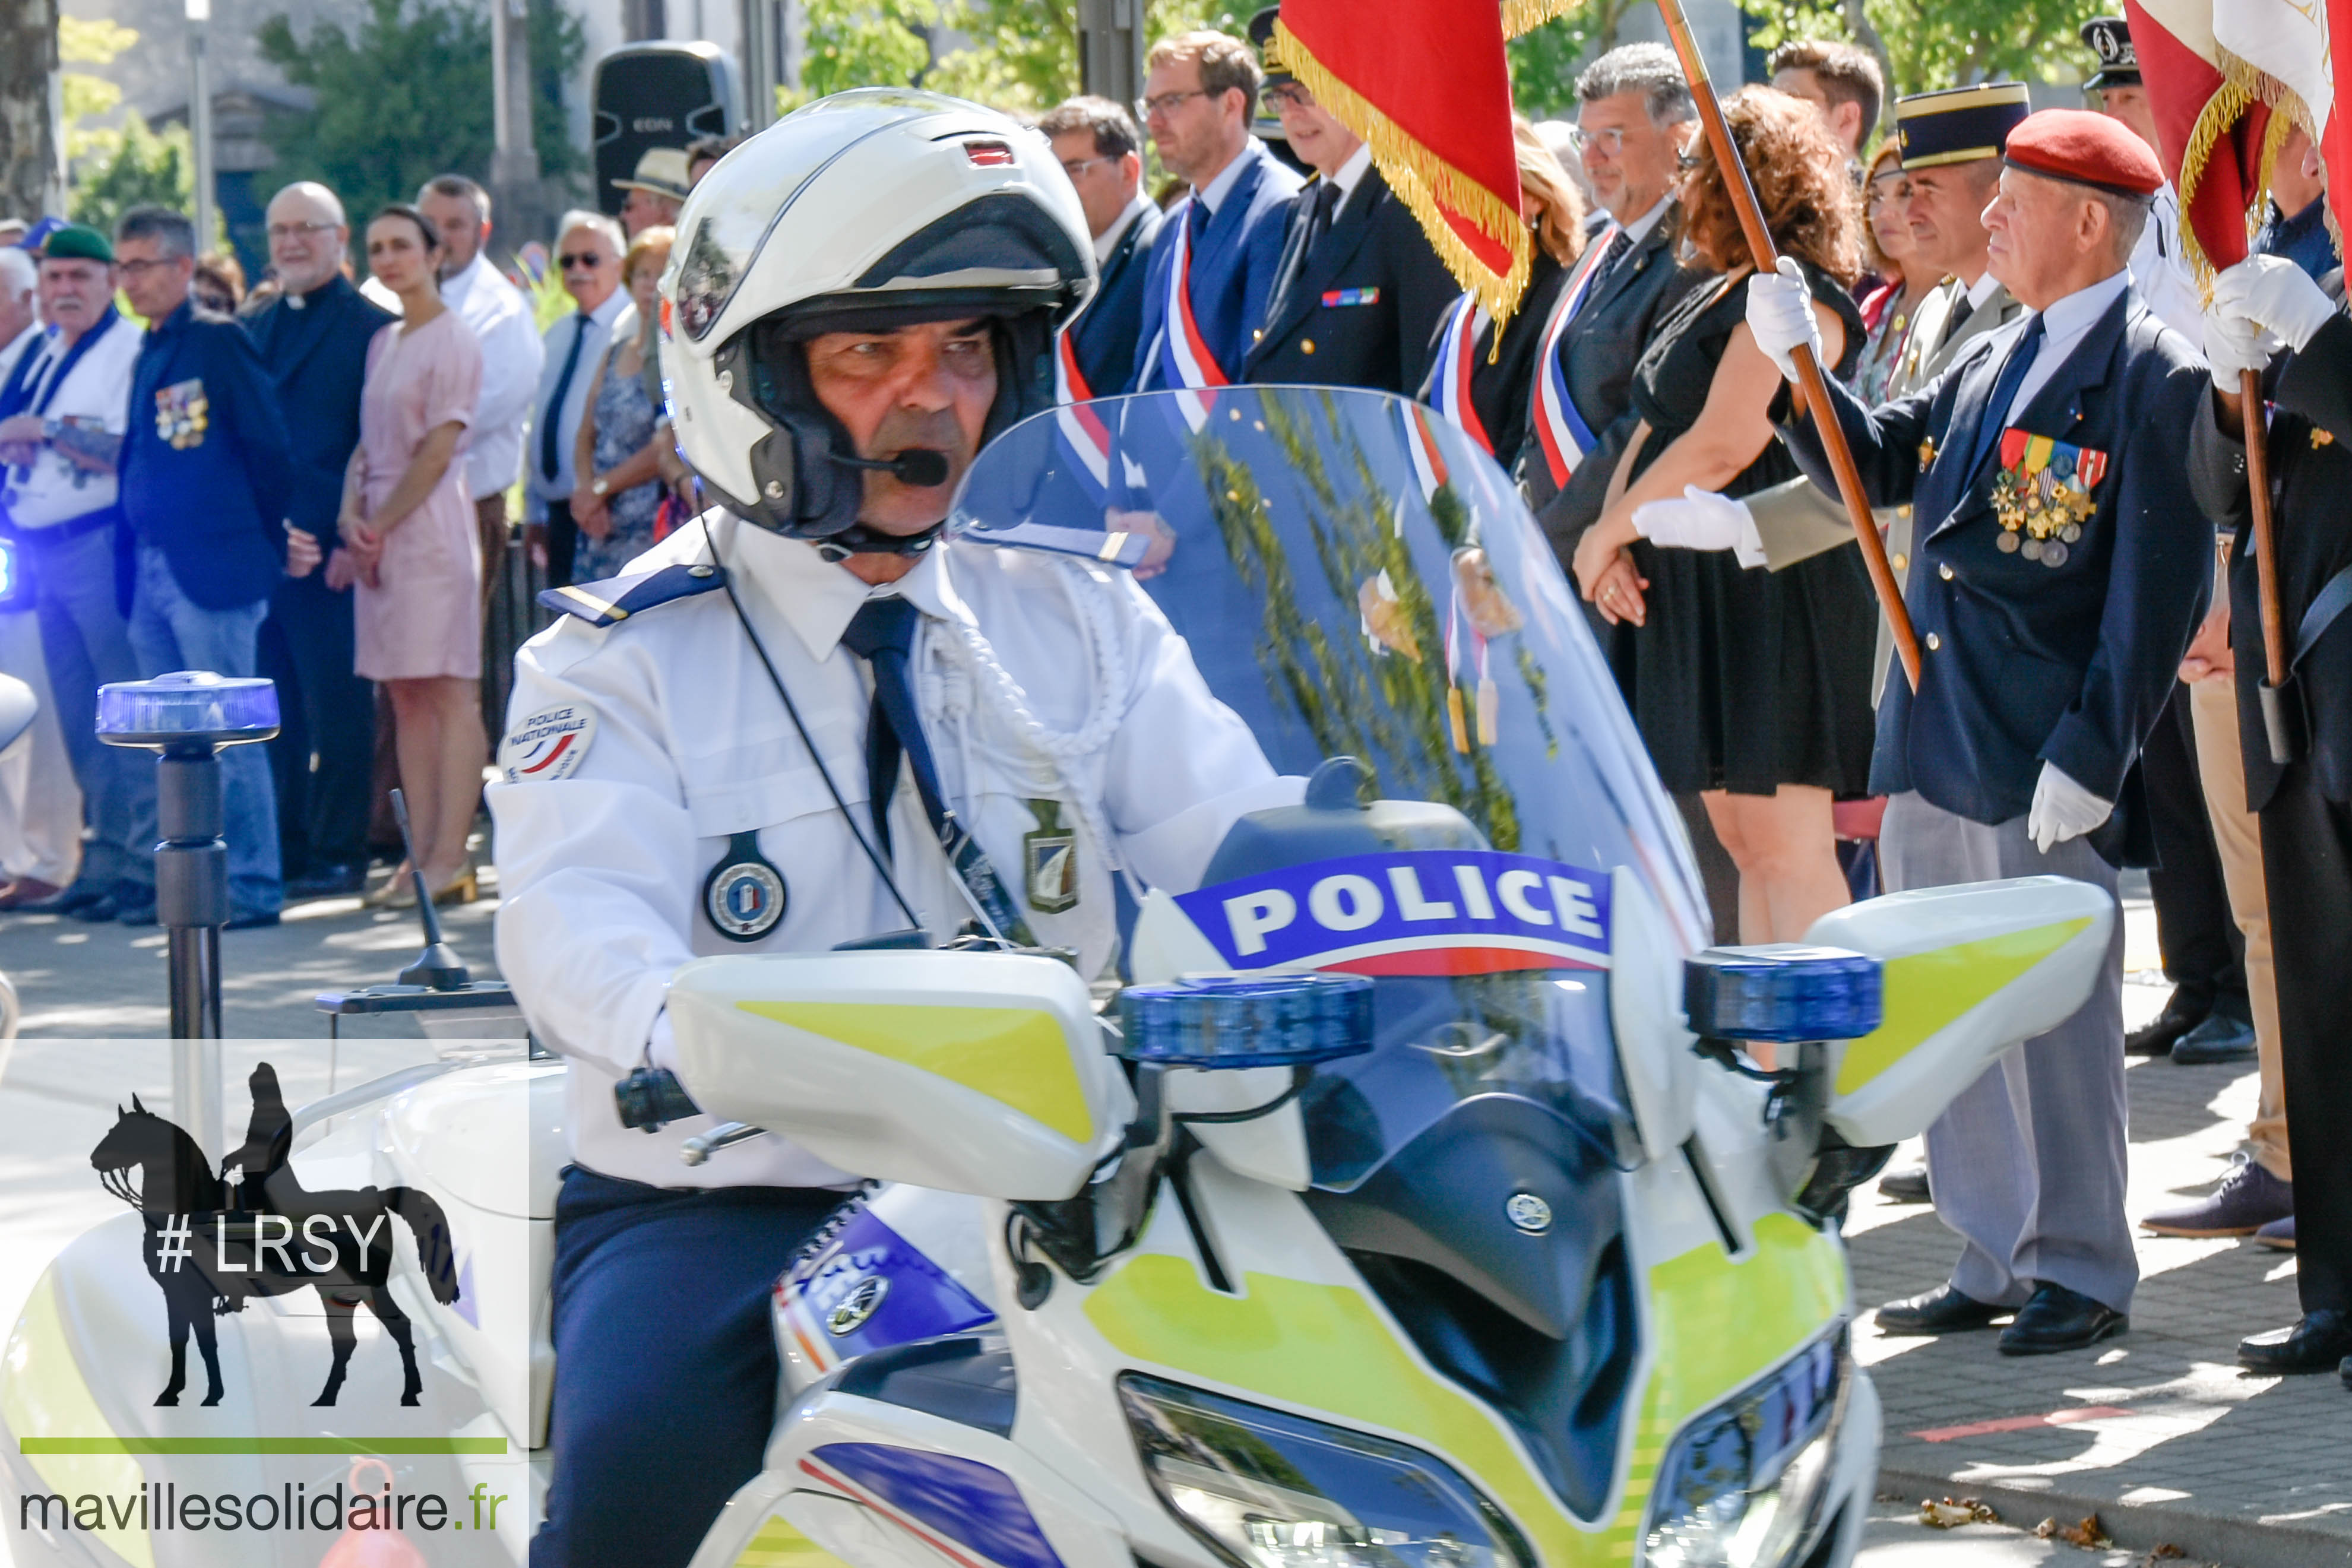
{"x":1285,"y":95}
{"x":1076,"y":170}
{"x":140,"y":268}
{"x":1611,"y":141}
{"x":299,"y":231}
{"x":1167,"y":103}
{"x":587,"y":258}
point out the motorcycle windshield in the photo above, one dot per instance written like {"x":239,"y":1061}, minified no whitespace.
{"x":1356,"y":578}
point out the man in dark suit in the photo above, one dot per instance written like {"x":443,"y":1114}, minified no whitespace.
{"x":1361,"y":291}
{"x":2059,"y":568}
{"x":204,"y":472}
{"x":2304,"y":804}
{"x":313,"y":339}
{"x":1213,"y":263}
{"x":1102,"y":152}
{"x":1633,"y":117}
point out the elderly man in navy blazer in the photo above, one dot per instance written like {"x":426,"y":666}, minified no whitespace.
{"x":313,"y":339}
{"x":1100,"y":150}
{"x":2061,"y":564}
{"x":1213,"y":264}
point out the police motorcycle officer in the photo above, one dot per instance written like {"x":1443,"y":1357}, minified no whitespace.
{"x":804,"y":721}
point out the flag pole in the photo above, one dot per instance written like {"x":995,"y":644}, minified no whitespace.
{"x":2286,"y":737}
{"x":1810,"y":378}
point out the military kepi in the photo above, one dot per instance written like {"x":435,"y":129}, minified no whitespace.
{"x":2110,"y":39}
{"x":1960,"y":125}
{"x":77,"y":241}
{"x":2088,"y":148}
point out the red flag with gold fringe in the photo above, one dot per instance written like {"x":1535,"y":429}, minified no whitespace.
{"x":2213,"y":126}
{"x":1425,"y":83}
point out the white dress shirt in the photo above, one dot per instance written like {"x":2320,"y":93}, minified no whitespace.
{"x":1108,"y":241}
{"x":54,"y":488}
{"x":2064,"y":324}
{"x":500,"y":316}
{"x":601,"y":870}
{"x":538,"y":488}
{"x":1213,"y":192}
{"x":1639,"y":229}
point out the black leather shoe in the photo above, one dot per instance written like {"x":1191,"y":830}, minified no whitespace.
{"x":1908,"y":1185}
{"x":78,"y":897}
{"x":2217,"y":1039}
{"x":2059,"y":1319}
{"x":1941,"y":1311}
{"x":2155,"y":1038}
{"x":2344,"y":1372}
{"x":2322,"y":1340}
{"x":328,"y":881}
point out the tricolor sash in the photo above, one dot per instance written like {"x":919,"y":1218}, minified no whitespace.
{"x":1457,"y":345}
{"x":1560,"y":429}
{"x":1421,"y":445}
{"x":1080,"y":424}
{"x":1185,"y":357}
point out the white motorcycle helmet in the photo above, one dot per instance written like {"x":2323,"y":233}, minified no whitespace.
{"x":863,"y":212}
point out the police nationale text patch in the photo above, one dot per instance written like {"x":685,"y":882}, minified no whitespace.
{"x":549,"y":744}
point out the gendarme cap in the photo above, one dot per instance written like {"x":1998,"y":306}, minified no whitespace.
{"x":1959,"y":125}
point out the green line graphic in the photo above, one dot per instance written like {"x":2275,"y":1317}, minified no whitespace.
{"x":497,"y":1446}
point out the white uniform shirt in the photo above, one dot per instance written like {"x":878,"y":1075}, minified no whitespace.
{"x":601,"y":872}
{"x":96,"y":392}
{"x":17,"y":349}
{"x":2161,"y":271}
{"x":538,"y":488}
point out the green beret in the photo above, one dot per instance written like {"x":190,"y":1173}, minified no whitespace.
{"x":77,"y":242}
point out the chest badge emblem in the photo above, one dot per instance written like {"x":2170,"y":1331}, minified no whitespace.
{"x":182,"y":413}
{"x":744,"y":896}
{"x":1049,"y":857}
{"x":2041,"y":495}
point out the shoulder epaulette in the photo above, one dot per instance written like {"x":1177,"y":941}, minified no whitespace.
{"x":616,"y":599}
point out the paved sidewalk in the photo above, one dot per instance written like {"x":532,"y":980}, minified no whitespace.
{"x":2255,"y":1472}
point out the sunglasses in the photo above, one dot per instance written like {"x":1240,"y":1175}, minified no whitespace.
{"x":588,"y":258}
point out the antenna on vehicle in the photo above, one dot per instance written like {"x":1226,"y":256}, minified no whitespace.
{"x":438,"y":965}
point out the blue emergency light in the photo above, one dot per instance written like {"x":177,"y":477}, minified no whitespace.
{"x":1247,"y":1020}
{"x":187,"y":710}
{"x":1783,"y":992}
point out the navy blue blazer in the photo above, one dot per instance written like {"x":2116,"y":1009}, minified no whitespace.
{"x":1106,"y":334}
{"x":205,"y":465}
{"x":1234,"y":267}
{"x":315,"y":355}
{"x":2022,"y":662}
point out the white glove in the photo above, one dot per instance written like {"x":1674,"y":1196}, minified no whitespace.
{"x":1702,"y":520}
{"x":2274,"y":292}
{"x":1780,"y":314}
{"x":2233,"y":346}
{"x":2062,"y":809}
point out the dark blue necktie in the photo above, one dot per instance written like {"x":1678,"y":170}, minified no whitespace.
{"x":2004,"y":392}
{"x":883,"y":635}
{"x":553,"y":417}
{"x":1196,"y":219}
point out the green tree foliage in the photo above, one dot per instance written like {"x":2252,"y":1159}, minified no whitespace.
{"x":1544,"y":60}
{"x":866,"y":43}
{"x":136,"y":167}
{"x":408,"y":96}
{"x":1930,"y":43}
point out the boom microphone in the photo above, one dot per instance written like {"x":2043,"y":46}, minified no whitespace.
{"x":917,"y":467}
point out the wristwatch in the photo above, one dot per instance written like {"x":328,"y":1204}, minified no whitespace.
{"x":598,"y":485}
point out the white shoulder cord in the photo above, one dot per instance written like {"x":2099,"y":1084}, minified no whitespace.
{"x":1067,"y":753}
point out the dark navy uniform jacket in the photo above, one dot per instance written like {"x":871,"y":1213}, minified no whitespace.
{"x":1234,"y":260}
{"x":316,"y":353}
{"x":205,"y":464}
{"x":1109,"y":332}
{"x":2022,"y":662}
{"x":2310,"y":451}
{"x":1361,"y":308}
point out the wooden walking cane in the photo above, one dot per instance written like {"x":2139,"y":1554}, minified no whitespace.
{"x":2281,"y":715}
{"x":1810,"y":378}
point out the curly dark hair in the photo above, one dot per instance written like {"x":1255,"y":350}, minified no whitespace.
{"x":1810,"y":205}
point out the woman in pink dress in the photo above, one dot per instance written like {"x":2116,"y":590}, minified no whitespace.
{"x":408,"y":529}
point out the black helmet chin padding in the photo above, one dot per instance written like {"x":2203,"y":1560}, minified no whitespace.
{"x":998,"y":258}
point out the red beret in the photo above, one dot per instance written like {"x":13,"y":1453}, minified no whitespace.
{"x":2088,"y":148}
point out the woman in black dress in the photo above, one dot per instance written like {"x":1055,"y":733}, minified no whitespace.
{"x":1486,"y":390}
{"x":1749,"y":686}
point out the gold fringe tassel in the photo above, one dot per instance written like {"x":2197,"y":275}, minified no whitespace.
{"x":1527,"y":15}
{"x":1426,"y":182}
{"x":2242,"y":87}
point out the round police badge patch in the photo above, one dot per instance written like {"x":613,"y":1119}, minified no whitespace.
{"x":549,"y":744}
{"x":744,"y":896}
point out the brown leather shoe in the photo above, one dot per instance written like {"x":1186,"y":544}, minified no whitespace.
{"x":27,"y":890}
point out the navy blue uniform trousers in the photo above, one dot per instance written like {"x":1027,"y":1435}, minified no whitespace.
{"x":666,"y":1365}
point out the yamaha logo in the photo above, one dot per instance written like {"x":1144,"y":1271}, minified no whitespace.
{"x":1525,"y":1209}
{"x":865,"y":1298}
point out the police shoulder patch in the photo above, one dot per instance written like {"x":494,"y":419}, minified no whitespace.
{"x":616,"y":599}
{"x":549,"y":744}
